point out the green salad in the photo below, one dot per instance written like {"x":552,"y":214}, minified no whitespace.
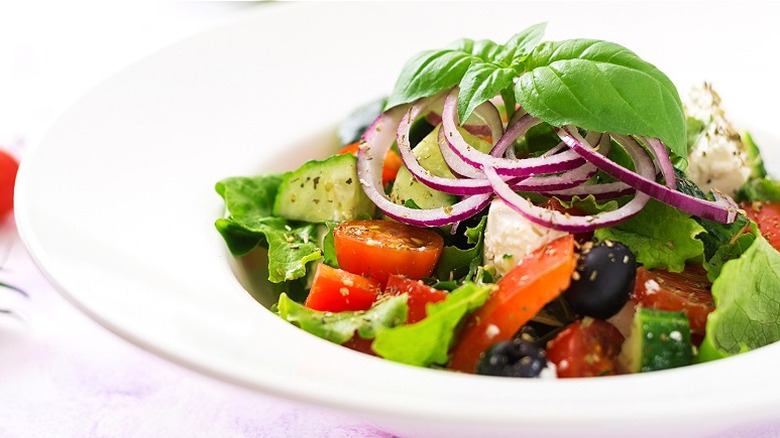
{"x":527,"y":209}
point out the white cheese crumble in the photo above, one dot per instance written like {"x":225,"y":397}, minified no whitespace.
{"x":509,"y":237}
{"x":549,"y":372}
{"x":717,"y":158}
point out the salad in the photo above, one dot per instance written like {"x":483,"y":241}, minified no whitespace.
{"x":533,"y":208}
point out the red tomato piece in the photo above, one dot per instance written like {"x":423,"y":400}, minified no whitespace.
{"x":420,"y":295}
{"x":687,"y":291}
{"x":359,"y":344}
{"x":8,"y":169}
{"x":767,"y":216}
{"x":521,"y":294}
{"x":379,"y":248}
{"x":336,"y":290}
{"x":586,"y":348}
{"x":392,"y":164}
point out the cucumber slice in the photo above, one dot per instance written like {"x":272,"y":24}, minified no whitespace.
{"x":321,"y":191}
{"x":658,"y":340}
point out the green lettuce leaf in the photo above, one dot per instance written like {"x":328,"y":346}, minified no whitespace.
{"x":760,"y":190}
{"x":731,"y":249}
{"x":589,"y":204}
{"x":668,"y":246}
{"x":428,"y":341}
{"x":455,"y":262}
{"x":747,"y":303}
{"x":249,"y":201}
{"x":341,"y":327}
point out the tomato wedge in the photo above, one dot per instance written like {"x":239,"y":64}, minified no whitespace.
{"x":687,"y":291}
{"x":420,"y":295}
{"x":336,"y":290}
{"x":379,"y":248}
{"x":586,"y":348}
{"x":521,"y":294}
{"x":767,"y":216}
{"x":390,"y":167}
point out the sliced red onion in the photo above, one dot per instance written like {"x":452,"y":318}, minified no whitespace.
{"x":571,"y":223}
{"x":454,"y":162}
{"x":566,"y":180}
{"x":375,"y":143}
{"x":478,"y":129}
{"x":601,"y":191}
{"x":455,"y":186}
{"x":510,"y":167}
{"x":723,"y":210}
{"x":663,"y":161}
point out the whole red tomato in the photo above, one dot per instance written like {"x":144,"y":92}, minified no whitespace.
{"x":8,"y":169}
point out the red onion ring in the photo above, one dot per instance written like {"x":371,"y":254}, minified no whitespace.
{"x":724,"y":210}
{"x":375,"y":143}
{"x":510,"y":167}
{"x":570,"y":223}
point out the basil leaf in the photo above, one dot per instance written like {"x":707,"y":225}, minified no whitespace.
{"x":601,"y":86}
{"x":430,"y":72}
{"x":519,"y":46}
{"x":481,"y":82}
{"x":341,"y":327}
{"x":486,"y":50}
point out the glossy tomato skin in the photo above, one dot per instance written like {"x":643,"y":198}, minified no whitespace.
{"x":537,"y":280}
{"x":767,"y":216}
{"x":687,"y":292}
{"x":586,"y":348}
{"x":8,"y":169}
{"x":390,"y":167}
{"x":380,"y":248}
{"x":336,"y":290}
{"x":420,"y":295}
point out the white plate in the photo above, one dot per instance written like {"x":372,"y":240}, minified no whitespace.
{"x":117,"y":206}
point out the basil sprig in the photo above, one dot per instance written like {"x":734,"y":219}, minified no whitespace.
{"x":596,"y":85}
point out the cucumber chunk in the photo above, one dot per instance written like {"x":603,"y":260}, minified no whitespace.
{"x":321,"y":191}
{"x":658,"y":340}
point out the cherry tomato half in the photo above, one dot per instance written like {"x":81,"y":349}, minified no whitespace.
{"x":586,"y":348}
{"x":390,"y":167}
{"x":336,"y":290}
{"x":687,"y":291}
{"x":379,"y":248}
{"x":767,"y":216}
{"x":8,"y":169}
{"x":538,"y":279}
{"x":420,"y":295}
